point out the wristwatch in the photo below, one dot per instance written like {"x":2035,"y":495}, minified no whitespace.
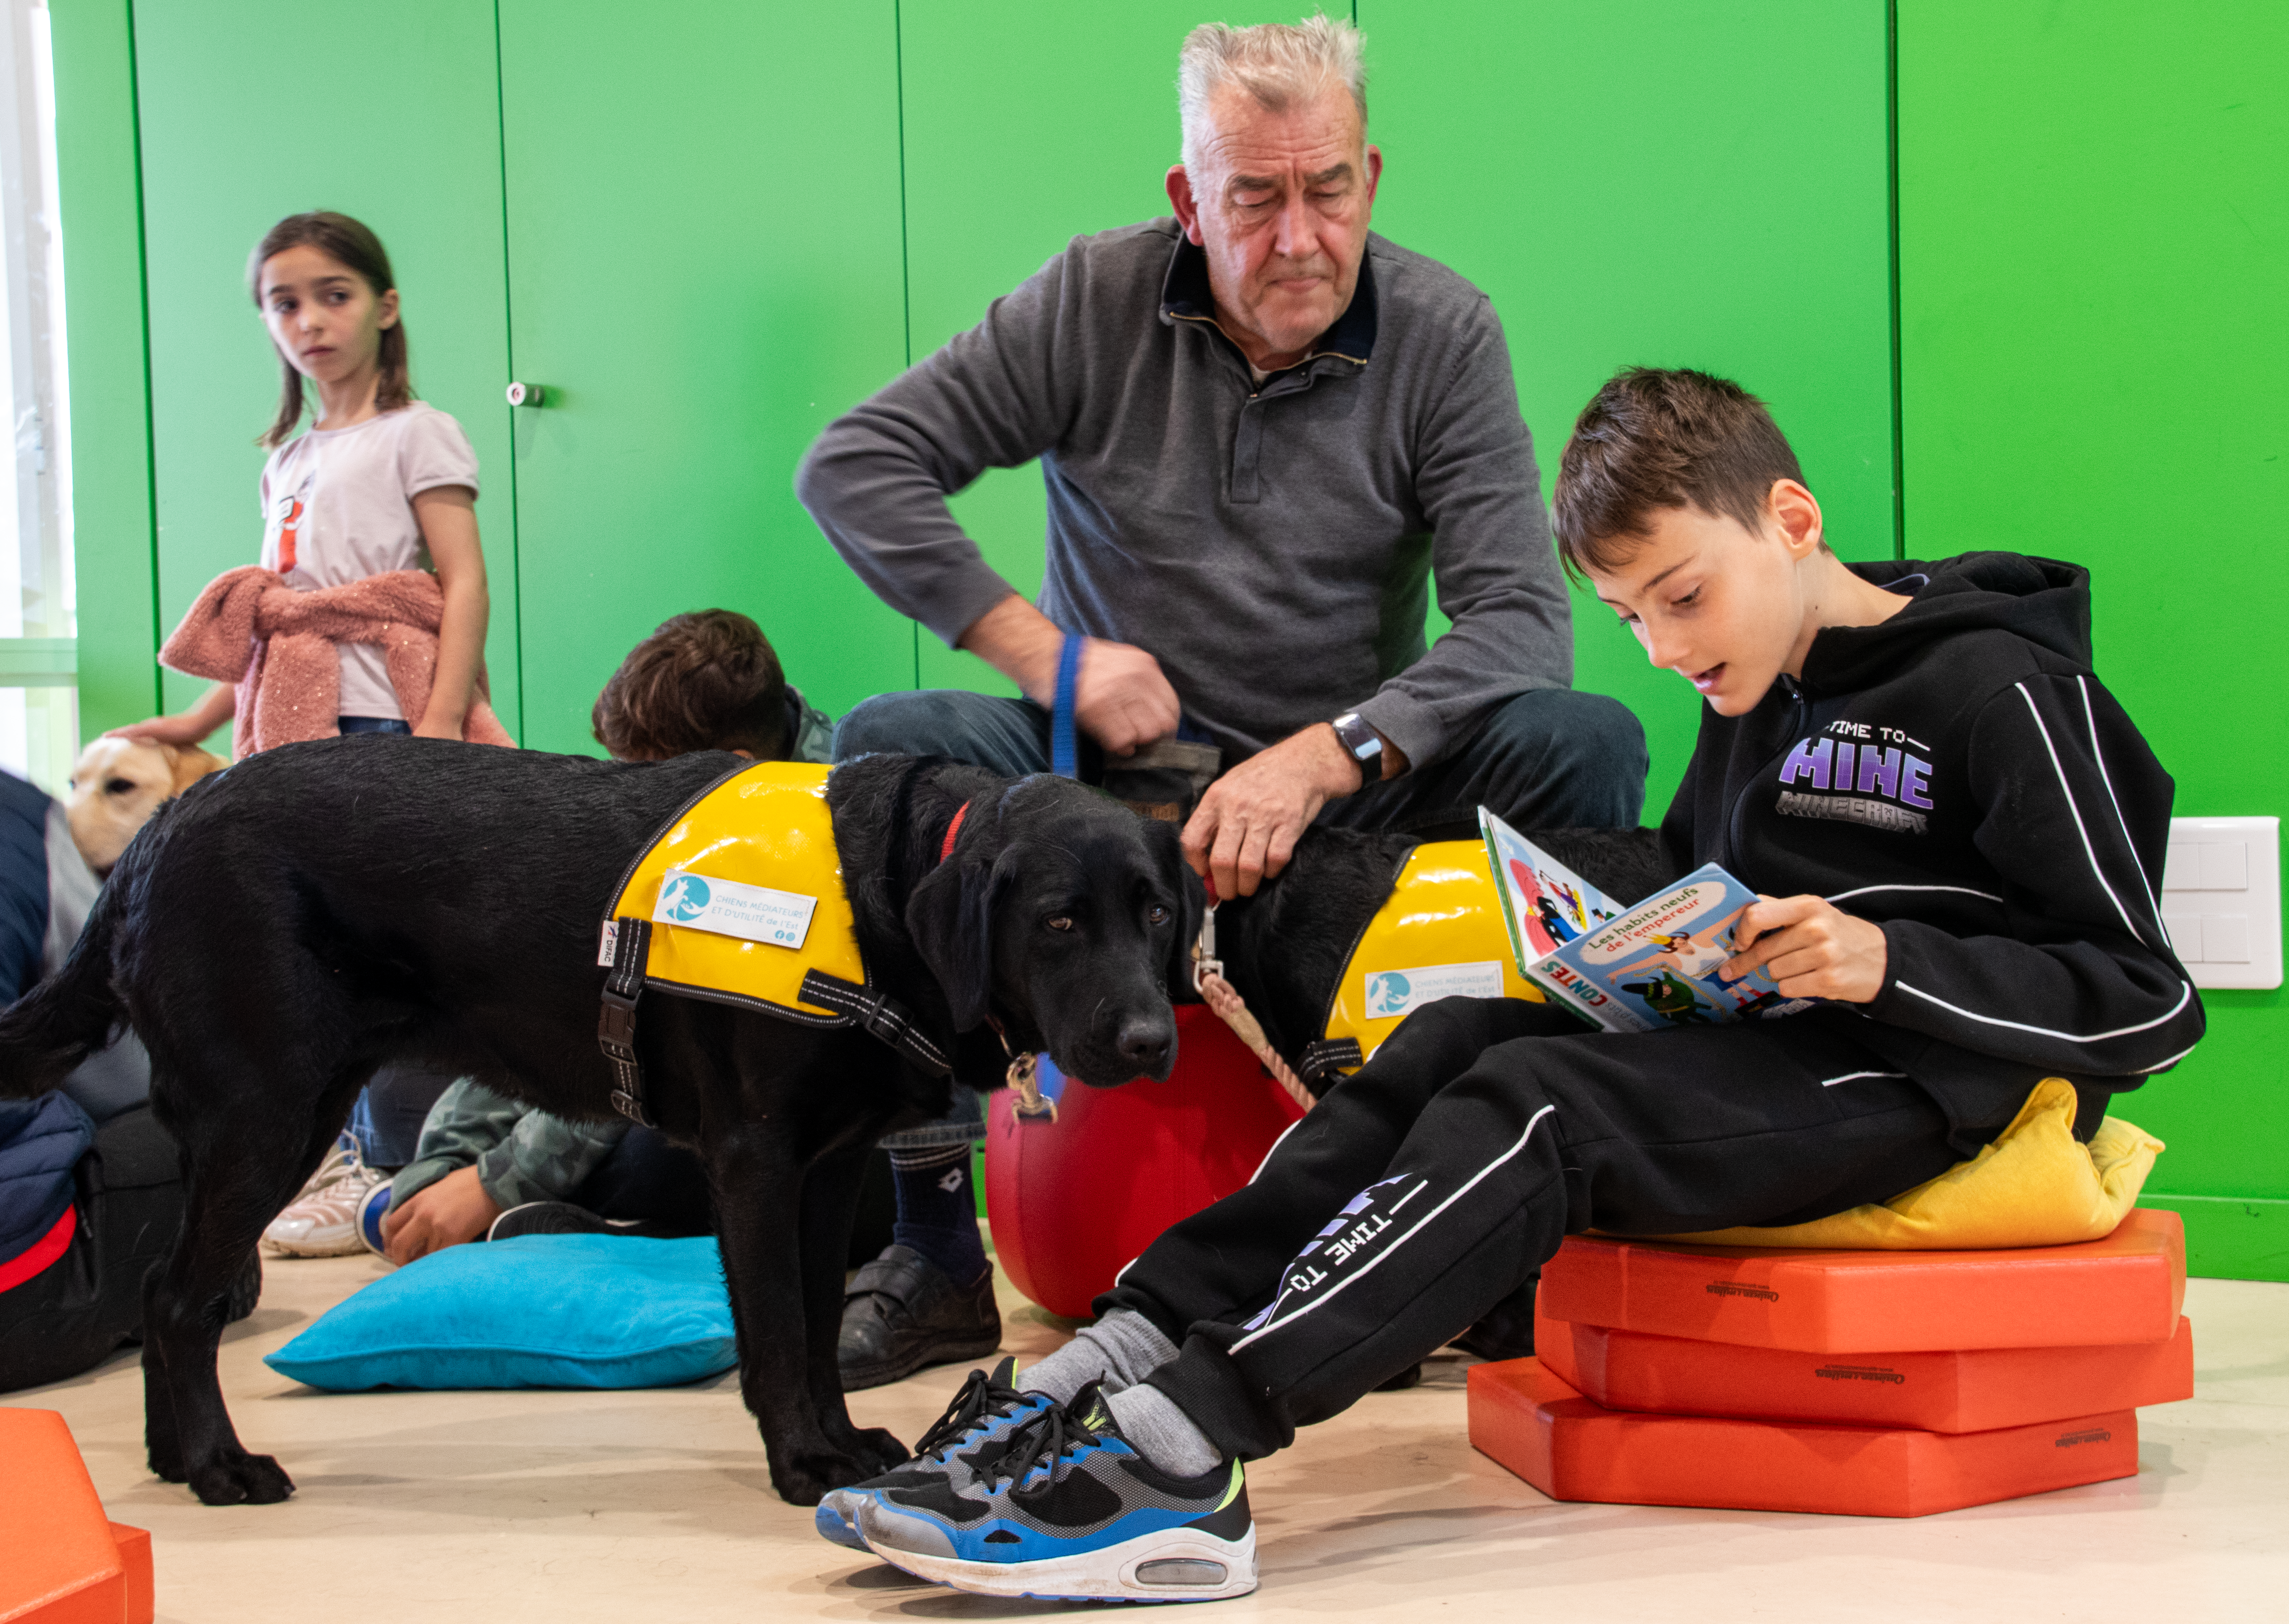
{"x":1364,"y":743}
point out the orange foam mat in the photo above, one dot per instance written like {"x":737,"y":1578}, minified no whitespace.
{"x":62,"y":1561}
{"x":1524,"y":1417}
{"x":2128,"y":1287}
{"x":1972,"y":1389}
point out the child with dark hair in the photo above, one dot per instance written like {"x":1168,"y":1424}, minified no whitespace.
{"x":707,"y":680}
{"x":490,"y":1167}
{"x":1956,"y":832}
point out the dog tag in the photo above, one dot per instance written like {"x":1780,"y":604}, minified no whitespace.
{"x":755,"y":914}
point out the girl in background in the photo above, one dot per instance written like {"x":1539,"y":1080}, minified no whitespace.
{"x":381,"y":481}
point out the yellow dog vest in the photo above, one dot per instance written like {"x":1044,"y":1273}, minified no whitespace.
{"x":739,"y":900}
{"x":1439,"y":934}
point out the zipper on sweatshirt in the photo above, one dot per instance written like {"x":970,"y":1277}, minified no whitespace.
{"x":1730,"y":856}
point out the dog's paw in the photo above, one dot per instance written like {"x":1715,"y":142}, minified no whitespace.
{"x":877,"y":1452}
{"x":236,"y":1479}
{"x":805,"y":1480}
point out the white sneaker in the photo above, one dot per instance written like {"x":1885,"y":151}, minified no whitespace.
{"x":322,"y":1221}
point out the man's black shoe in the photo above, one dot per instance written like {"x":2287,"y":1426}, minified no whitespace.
{"x":902,"y":1312}
{"x":564,"y":1218}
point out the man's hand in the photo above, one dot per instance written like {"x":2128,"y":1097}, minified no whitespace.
{"x":1812,"y":948}
{"x":1120,"y":699}
{"x":452,"y":1211}
{"x":1245,"y":827}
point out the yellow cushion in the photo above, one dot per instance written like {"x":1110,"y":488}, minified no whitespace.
{"x":2035,"y":1186}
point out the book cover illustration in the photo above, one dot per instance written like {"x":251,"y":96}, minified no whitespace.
{"x":1640,"y":968}
{"x":1545,"y":903}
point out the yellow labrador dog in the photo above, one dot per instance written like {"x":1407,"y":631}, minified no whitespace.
{"x":119,"y":783}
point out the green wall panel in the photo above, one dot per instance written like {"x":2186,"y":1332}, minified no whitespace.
{"x":998,"y":183}
{"x":1694,"y":183}
{"x":229,"y":145}
{"x":705,"y":268}
{"x":2094,"y":261}
{"x":97,"y":175}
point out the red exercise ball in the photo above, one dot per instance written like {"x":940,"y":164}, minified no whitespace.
{"x":1072,"y":1200}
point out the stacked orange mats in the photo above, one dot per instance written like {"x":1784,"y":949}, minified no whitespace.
{"x":1876,"y":1383}
{"x":61,"y":1561}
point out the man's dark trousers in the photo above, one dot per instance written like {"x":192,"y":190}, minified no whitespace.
{"x":1548,"y":759}
{"x":1434,"y":1183}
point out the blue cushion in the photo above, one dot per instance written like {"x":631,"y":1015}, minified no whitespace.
{"x":541,"y":1310}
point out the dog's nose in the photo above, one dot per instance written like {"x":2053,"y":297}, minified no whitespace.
{"x":1145,"y":1044}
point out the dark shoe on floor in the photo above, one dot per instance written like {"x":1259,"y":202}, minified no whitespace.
{"x":902,"y":1312}
{"x":564,"y":1218}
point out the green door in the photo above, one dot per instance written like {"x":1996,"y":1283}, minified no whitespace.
{"x":232,"y":139}
{"x":705,"y":268}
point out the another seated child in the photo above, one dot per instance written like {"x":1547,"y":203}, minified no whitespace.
{"x":1957,"y":832}
{"x":490,"y":1166}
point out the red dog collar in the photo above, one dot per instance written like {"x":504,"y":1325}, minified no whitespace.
{"x":951,"y":830}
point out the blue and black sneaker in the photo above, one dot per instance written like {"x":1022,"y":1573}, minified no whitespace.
{"x":960,"y":1444}
{"x":1072,"y":1511}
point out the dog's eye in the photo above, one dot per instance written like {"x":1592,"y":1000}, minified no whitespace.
{"x":118,"y":787}
{"x":1156,"y":915}
{"x":1063,"y":921}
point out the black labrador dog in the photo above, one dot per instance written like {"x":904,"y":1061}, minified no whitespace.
{"x":288,"y":926}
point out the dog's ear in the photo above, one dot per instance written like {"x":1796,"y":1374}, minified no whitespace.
{"x":1168,"y":847}
{"x":950,"y":916}
{"x":187,"y":764}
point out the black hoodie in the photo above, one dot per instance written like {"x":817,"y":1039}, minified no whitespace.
{"x":1958,"y":777}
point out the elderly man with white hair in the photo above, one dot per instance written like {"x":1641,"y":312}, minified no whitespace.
{"x":1263,"y":431}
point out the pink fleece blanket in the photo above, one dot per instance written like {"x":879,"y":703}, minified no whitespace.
{"x":279,"y":646}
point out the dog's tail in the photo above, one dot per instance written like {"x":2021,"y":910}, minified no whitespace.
{"x":58,"y":1023}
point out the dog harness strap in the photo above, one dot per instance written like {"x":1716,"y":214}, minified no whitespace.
{"x":951,"y":830}
{"x":1322,"y":1055}
{"x":616,"y":1025}
{"x":1064,"y":756}
{"x":880,"y":1015}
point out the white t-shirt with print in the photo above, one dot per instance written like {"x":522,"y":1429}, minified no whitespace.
{"x":338,"y":506}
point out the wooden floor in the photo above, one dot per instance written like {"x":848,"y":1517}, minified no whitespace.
{"x":553,"y":1507}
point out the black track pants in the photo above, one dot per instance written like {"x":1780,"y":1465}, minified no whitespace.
{"x":1437,"y":1181}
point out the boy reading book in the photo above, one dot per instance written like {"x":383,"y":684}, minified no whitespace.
{"x":1956,"y":833}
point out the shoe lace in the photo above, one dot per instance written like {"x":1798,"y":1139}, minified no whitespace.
{"x":980,"y":1396}
{"x":1051,"y":1436}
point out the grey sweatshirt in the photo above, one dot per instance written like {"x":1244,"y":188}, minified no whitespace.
{"x":1269,"y":545}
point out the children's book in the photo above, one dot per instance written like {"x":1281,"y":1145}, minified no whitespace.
{"x":1629,"y":969}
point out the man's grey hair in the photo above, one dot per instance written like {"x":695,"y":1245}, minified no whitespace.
{"x":1281,"y":65}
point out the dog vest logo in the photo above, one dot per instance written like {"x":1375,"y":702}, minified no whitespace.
{"x":1873,"y":777}
{"x":1859,"y":1372}
{"x":1392,"y":993}
{"x":684,"y":898}
{"x":755,"y":914}
{"x":1734,"y":1288}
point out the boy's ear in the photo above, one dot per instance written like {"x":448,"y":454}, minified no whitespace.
{"x":950,"y":916}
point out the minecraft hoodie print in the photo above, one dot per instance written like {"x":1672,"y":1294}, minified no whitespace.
{"x":1958,"y":777}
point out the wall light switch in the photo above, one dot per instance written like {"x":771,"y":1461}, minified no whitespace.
{"x":2221,"y":899}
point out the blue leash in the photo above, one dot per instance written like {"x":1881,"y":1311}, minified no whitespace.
{"x":1065,"y":757}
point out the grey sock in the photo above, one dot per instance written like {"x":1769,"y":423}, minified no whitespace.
{"x":1120,"y":1350}
{"x":1162,"y":1433}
